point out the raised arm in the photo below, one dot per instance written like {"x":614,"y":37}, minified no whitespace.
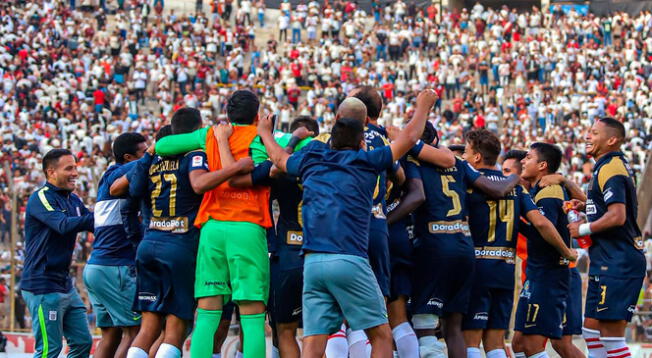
{"x":182,"y":143}
{"x":409,"y":136}
{"x":441,"y":157}
{"x":574,"y":190}
{"x":277,"y":155}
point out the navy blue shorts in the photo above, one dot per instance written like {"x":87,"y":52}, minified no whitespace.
{"x":573,"y":318}
{"x":441,"y":281}
{"x":400,"y":258}
{"x":286,"y":287}
{"x":228,"y":310}
{"x":612,"y":298}
{"x":542,"y":303}
{"x":166,"y":277}
{"x":378,"y":252}
{"x":489,"y":308}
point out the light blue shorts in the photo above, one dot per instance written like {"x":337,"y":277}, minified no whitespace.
{"x":337,"y":287}
{"x":112,"y":290}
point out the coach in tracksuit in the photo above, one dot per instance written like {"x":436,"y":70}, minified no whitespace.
{"x":54,"y":217}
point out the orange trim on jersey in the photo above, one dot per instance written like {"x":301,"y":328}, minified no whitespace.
{"x":225,"y":203}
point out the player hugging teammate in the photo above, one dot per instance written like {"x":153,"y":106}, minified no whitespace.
{"x":383,"y":238}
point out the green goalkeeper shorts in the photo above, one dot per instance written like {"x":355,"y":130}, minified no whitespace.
{"x":232,"y":261}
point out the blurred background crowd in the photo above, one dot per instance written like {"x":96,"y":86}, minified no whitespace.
{"x":77,"y":73}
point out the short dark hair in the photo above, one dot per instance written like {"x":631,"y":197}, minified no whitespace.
{"x":305,"y":121}
{"x":163,"y":132}
{"x":430,"y":135}
{"x":347,"y":133}
{"x":52,"y":157}
{"x":186,"y":120}
{"x":615,"y":125}
{"x":242,"y":107}
{"x":371,"y":99}
{"x":486,"y":143}
{"x":549,"y":153}
{"x":456,"y":148}
{"x":126,"y":143}
{"x":517,"y":155}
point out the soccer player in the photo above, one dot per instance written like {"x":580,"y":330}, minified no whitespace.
{"x":285,"y":240}
{"x":173,"y":188}
{"x":232,"y":254}
{"x":110,"y":274}
{"x":53,"y":218}
{"x":512,"y":162}
{"x":441,"y":230}
{"x":617,"y":265}
{"x":494,"y":228}
{"x":339,"y":179}
{"x":542,"y":301}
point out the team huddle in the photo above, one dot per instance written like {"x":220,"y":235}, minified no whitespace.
{"x":377,"y":242}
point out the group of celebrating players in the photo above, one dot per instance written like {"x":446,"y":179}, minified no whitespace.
{"x":375,"y":240}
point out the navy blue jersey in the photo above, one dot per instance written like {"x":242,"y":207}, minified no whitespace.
{"x":288,"y":241}
{"x":443,"y":216}
{"x":399,"y":233}
{"x":541,"y":256}
{"x":338,"y":187}
{"x":117,"y":229}
{"x":376,"y":137}
{"x":170,"y":202}
{"x":619,"y":250}
{"x":53,"y":218}
{"x":494,"y":229}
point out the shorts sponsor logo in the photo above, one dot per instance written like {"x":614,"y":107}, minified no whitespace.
{"x":481,"y":316}
{"x":296,"y":312}
{"x":495,"y":253}
{"x":214,"y":283}
{"x":631,"y":308}
{"x":148,"y":297}
{"x":294,"y":238}
{"x":175,"y":225}
{"x":449,"y":227}
{"x":435,"y":302}
{"x":525,"y":292}
{"x":377,"y":211}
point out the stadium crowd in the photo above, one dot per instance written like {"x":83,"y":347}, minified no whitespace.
{"x":78,"y":77}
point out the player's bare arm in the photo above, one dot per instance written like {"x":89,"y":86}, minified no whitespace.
{"x":550,"y":234}
{"x":277,"y":155}
{"x":441,"y":157}
{"x":574,"y":190}
{"x":614,"y":217}
{"x":204,"y":180}
{"x":497,"y":189}
{"x":222,"y":132}
{"x":414,"y":197}
{"x":409,"y":136}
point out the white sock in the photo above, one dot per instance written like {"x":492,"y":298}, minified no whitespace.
{"x":615,"y":347}
{"x":395,"y":354}
{"x":238,"y":354}
{"x":275,"y":352}
{"x":166,"y":350}
{"x":473,"y":352}
{"x":337,"y":346}
{"x":519,"y":355}
{"x":407,"y":344}
{"x":358,"y":343}
{"x":497,"y":353}
{"x":543,"y":354}
{"x":135,"y":352}
{"x":217,"y":355}
{"x":593,"y":343}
